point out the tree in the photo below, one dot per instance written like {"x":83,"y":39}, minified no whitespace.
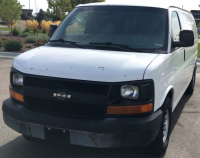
{"x":198,"y":25}
{"x":41,"y":16}
{"x":60,"y":7}
{"x":10,"y":12}
{"x":74,"y":3}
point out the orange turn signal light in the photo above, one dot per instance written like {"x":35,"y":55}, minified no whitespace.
{"x":16,"y":96}
{"x":117,"y":110}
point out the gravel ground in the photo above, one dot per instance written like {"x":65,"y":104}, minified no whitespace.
{"x":184,"y":141}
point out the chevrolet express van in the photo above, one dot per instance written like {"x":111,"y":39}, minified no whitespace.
{"x":110,"y":76}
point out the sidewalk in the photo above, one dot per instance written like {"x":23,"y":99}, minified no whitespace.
{"x":8,"y":54}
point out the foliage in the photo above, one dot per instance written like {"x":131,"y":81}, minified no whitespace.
{"x":198,"y":25}
{"x":15,"y":25}
{"x":74,"y":29}
{"x":37,"y":36}
{"x":16,"y":32}
{"x":39,"y":42}
{"x":10,"y":12}
{"x":25,"y":34}
{"x":35,"y":25}
{"x":13,"y":45}
{"x":1,"y":43}
{"x":41,"y":16}
{"x":45,"y":25}
{"x":28,"y":24}
{"x":57,"y":22}
{"x":60,"y":7}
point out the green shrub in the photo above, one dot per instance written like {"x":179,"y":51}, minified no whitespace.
{"x":31,"y":39}
{"x":25,"y":34}
{"x":26,"y":30}
{"x":13,"y":45}
{"x":15,"y":32}
{"x":39,"y":43}
{"x":1,"y":43}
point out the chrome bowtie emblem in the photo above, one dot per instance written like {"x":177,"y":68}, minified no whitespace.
{"x":61,"y":96}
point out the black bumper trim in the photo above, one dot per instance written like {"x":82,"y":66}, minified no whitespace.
{"x":143,"y":125}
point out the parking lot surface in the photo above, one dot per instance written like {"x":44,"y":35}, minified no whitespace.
{"x":184,"y":141}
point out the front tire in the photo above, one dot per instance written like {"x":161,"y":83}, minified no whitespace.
{"x":160,"y":144}
{"x":191,"y":86}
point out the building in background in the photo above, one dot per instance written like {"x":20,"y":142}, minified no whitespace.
{"x":196,"y":14}
{"x":26,"y":14}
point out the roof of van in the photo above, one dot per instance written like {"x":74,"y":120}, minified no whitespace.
{"x":157,"y":5}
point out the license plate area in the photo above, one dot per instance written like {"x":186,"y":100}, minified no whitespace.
{"x":57,"y":135}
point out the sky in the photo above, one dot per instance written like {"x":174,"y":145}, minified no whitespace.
{"x":36,"y":5}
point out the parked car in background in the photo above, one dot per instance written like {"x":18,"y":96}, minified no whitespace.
{"x":110,"y":76}
{"x":198,"y":30}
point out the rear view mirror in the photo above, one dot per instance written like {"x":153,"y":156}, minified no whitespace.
{"x":186,"y":39}
{"x":52,"y":29}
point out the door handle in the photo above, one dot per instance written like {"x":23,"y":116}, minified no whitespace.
{"x":184,"y":54}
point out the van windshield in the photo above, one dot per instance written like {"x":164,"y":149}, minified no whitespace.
{"x":141,"y":29}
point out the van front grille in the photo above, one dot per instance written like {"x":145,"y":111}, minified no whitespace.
{"x":65,"y":108}
{"x":66,"y":85}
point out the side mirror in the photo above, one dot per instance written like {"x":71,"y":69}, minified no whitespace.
{"x":52,"y":29}
{"x":186,"y":39}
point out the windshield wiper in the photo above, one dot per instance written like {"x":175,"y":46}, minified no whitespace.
{"x":120,"y":46}
{"x":67,"y":42}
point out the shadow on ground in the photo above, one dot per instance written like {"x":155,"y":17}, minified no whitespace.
{"x":20,"y":148}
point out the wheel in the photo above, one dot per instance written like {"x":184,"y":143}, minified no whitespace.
{"x":160,"y":144}
{"x":191,"y":86}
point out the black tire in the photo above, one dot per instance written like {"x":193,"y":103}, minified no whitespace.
{"x":191,"y":86}
{"x":159,"y":146}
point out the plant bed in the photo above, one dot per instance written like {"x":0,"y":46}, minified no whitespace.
{"x":26,"y":46}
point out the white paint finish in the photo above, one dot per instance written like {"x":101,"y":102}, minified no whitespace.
{"x":84,"y":64}
{"x":170,"y":71}
{"x":130,"y":3}
{"x":161,"y":71}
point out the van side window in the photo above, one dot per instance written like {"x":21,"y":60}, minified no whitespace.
{"x":175,"y":27}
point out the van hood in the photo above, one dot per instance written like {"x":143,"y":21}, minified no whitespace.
{"x":84,"y":64}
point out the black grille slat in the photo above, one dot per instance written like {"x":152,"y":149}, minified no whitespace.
{"x":69,"y":86}
{"x":65,"y":108}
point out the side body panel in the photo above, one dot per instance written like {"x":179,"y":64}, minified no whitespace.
{"x":185,"y":57}
{"x":162,"y":71}
{"x":173,"y":71}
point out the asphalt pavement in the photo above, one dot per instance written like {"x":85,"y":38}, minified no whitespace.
{"x":184,"y":141}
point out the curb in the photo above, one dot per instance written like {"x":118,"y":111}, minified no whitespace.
{"x":9,"y":55}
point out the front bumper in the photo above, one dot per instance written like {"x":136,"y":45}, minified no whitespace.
{"x":101,"y":133}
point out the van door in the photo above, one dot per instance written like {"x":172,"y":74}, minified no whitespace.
{"x":179,"y":58}
{"x":190,"y":53}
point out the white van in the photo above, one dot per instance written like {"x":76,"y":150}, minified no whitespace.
{"x":110,"y":76}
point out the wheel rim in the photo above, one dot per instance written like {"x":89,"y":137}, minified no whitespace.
{"x":166,"y":126}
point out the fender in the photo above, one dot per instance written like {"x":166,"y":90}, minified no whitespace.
{"x":166,"y":93}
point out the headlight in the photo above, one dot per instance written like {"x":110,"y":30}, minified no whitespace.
{"x":130,"y":92}
{"x":17,"y":79}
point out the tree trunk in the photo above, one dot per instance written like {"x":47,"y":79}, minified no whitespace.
{"x":11,"y":32}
